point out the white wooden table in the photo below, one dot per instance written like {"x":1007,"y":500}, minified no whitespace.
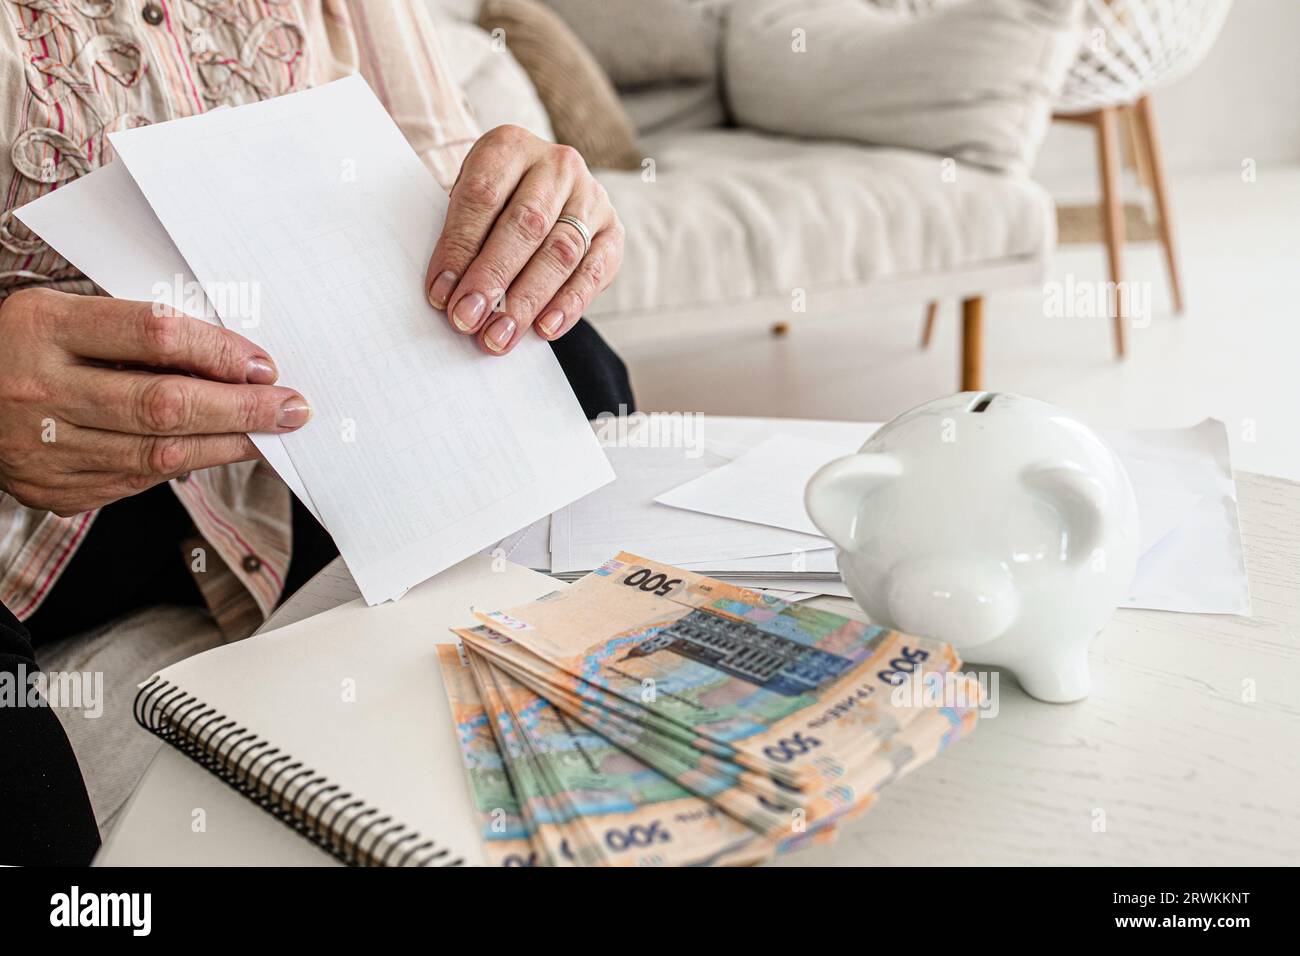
{"x":1186,"y":753}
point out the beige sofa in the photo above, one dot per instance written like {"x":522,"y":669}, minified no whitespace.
{"x":729,"y":227}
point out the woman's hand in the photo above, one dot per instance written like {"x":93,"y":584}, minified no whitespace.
{"x":503,"y":263}
{"x":78,"y":430}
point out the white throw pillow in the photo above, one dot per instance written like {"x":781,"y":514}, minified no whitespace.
{"x":496,"y":86}
{"x":973,"y":80}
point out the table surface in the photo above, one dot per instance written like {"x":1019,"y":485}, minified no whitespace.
{"x":1185,"y":753}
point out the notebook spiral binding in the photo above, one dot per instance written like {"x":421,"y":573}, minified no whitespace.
{"x":294,"y":794}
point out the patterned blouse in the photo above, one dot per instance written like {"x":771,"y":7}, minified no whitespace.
{"x":71,"y":72}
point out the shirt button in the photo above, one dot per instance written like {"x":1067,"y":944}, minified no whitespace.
{"x":252,"y":563}
{"x":152,"y":13}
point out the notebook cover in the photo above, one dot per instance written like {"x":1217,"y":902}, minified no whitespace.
{"x":339,"y":723}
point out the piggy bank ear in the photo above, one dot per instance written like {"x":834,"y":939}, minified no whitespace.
{"x":834,"y":494}
{"x":1078,"y":497}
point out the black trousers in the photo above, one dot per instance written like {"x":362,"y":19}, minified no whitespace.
{"x":131,"y":559}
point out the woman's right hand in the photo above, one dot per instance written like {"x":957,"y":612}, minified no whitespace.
{"x":102,"y":398}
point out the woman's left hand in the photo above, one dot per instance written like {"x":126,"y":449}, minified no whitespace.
{"x":503,"y":263}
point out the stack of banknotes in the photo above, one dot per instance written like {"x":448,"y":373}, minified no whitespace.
{"x":649,"y":716}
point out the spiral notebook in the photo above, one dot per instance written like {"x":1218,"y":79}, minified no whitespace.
{"x":338,"y":724}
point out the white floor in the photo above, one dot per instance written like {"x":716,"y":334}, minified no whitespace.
{"x":1233,"y":355}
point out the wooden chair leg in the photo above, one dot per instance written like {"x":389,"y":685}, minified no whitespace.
{"x":1135,"y":155}
{"x":1112,"y":207}
{"x":931,"y":310}
{"x":972,"y":344}
{"x":1151,"y":147}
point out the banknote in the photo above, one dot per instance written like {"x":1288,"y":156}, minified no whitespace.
{"x":631,"y":813}
{"x":777,"y":812}
{"x":554,"y":839}
{"x":502,"y":828}
{"x":599,"y":705}
{"x":788,"y":691}
{"x":698,"y":833}
{"x":648,"y":715}
{"x":505,"y":835}
{"x":703,"y":775}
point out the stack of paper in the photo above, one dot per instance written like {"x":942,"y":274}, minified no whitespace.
{"x":307,"y":222}
{"x":624,"y":515}
{"x":731,"y":506}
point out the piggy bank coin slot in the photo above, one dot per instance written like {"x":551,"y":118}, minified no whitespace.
{"x":982,"y":402}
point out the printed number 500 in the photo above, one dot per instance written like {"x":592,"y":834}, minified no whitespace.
{"x":647,"y":580}
{"x":903,"y":665}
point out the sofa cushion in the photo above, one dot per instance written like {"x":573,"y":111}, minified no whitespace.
{"x":732,"y":215}
{"x":496,"y":86}
{"x":973,"y":80}
{"x":647,"y":42}
{"x":580,"y":101}
{"x":676,"y":106}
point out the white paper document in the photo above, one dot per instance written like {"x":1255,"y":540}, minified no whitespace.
{"x":765,"y":484}
{"x":831,"y":587}
{"x":731,"y":436}
{"x":529,"y":547}
{"x":104,"y":226}
{"x":1198,"y":565}
{"x":623,"y":516}
{"x":821,"y":561}
{"x":421,"y":449}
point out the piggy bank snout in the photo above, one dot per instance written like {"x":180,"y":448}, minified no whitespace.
{"x":963,"y":602}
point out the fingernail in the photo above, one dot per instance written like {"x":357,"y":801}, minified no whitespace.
{"x":500,"y":333}
{"x":260,"y":371}
{"x":551,"y":321}
{"x":469,"y":311}
{"x":294,"y":413}
{"x":442,"y":289}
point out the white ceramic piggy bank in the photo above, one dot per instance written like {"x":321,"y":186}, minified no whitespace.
{"x":997,"y":523}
